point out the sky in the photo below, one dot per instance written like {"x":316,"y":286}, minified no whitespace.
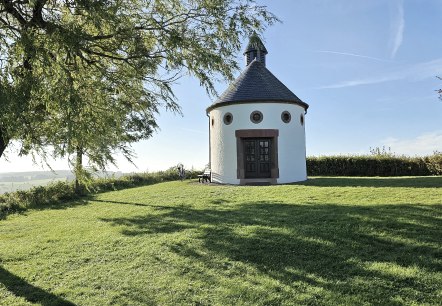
{"x":367,"y":68}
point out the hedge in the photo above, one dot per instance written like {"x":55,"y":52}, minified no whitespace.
{"x":375,"y":165}
{"x":60,"y":192}
{"x":357,"y":165}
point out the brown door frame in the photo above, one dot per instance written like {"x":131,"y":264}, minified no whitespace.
{"x":256,"y":133}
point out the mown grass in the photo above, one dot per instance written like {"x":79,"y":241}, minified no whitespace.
{"x":329,"y":241}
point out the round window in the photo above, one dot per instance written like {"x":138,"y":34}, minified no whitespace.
{"x":286,"y":117}
{"x":228,"y":118}
{"x":256,"y":117}
{"x":301,"y":119}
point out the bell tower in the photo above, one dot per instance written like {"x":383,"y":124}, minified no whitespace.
{"x":255,"y":50}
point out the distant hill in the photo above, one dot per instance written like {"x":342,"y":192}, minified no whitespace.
{"x":44,"y":175}
{"x":12,"y":181}
{"x":35,"y":175}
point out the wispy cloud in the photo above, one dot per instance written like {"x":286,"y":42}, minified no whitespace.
{"x":194,"y":131}
{"x":353,"y":55}
{"x":415,"y":72}
{"x":424,"y":144}
{"x":397,"y":29}
{"x":367,"y":81}
{"x":393,"y":100}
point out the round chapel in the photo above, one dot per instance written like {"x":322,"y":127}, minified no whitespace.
{"x":257,"y":127}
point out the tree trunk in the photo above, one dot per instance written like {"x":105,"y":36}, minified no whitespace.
{"x":78,"y":169}
{"x":3,"y":142}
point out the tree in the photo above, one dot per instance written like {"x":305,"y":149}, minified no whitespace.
{"x":99,"y":118}
{"x":439,"y":91}
{"x":88,"y":77}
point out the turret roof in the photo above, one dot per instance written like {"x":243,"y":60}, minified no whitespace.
{"x":255,"y":43}
{"x":256,"y":83}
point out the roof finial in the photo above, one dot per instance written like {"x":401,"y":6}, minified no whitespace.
{"x":255,"y":50}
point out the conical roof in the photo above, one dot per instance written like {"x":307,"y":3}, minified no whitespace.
{"x":255,"y":43}
{"x":256,"y":84}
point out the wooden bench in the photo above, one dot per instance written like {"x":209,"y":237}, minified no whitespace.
{"x":205,"y":177}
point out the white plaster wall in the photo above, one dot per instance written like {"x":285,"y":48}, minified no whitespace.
{"x":291,"y":140}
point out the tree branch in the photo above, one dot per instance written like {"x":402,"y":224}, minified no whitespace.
{"x":10,"y":8}
{"x":3,"y":141}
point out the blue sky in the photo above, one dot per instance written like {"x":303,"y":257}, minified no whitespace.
{"x":366,"y":67}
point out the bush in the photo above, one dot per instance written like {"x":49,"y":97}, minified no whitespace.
{"x":36,"y":196}
{"x":59,"y":192}
{"x":434,"y":163}
{"x":375,"y":165}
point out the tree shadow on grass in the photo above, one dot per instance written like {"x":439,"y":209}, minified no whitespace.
{"x":412,"y":182}
{"x":134,"y":204}
{"x":61,"y":204}
{"x":137,"y":225}
{"x":355,"y":254}
{"x":21,"y":288}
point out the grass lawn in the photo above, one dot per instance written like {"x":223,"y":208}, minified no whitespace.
{"x":329,"y":241}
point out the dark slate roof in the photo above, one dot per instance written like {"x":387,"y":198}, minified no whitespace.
{"x":255,"y":43}
{"x":256,"y":83}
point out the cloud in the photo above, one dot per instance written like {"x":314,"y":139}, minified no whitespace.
{"x":353,"y":55}
{"x":397,"y":29}
{"x":367,"y":81}
{"x":414,"y":72}
{"x":421,"y":145}
{"x":204,"y":132}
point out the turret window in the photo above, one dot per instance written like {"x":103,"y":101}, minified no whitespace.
{"x":256,"y":117}
{"x":301,"y":119}
{"x":286,"y":117}
{"x":228,"y":118}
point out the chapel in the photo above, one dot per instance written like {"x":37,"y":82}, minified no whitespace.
{"x":257,"y":127}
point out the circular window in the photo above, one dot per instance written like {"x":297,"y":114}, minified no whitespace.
{"x":301,"y":119}
{"x":286,"y":117}
{"x":256,"y":117}
{"x":228,"y":118}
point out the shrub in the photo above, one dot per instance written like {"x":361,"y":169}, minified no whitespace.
{"x":59,"y":192}
{"x":434,"y":163}
{"x":375,"y":165}
{"x":36,"y":196}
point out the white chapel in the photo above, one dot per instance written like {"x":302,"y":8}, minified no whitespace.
{"x":257,"y":127}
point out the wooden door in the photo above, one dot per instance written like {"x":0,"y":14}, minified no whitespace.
{"x":257,"y":157}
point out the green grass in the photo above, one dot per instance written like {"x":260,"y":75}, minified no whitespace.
{"x":330,"y":241}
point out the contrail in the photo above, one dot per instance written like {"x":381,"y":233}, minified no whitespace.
{"x":398,"y":29}
{"x":354,"y":55}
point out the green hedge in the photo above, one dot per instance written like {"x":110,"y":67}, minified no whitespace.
{"x":375,"y":165}
{"x":372,"y":165}
{"x":59,"y":192}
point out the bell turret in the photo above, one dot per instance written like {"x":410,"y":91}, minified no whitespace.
{"x":255,"y":50}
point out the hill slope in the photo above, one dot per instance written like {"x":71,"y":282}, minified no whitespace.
{"x":327,"y":241}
